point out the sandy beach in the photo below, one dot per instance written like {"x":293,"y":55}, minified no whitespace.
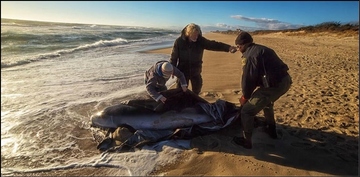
{"x":317,"y":120}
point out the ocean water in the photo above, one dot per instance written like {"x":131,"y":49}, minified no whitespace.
{"x":54,"y":76}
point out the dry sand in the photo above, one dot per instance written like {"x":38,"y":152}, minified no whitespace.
{"x":318,"y":118}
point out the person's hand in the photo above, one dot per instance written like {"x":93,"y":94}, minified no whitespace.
{"x":232,"y":49}
{"x":163,"y":99}
{"x":184,"y":88}
{"x":242,"y":100}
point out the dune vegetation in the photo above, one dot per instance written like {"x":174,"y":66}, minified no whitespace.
{"x":334,"y":28}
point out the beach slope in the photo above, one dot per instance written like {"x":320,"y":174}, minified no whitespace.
{"x":318,"y":119}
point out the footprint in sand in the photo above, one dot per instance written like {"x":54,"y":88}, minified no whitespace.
{"x":236,"y":92}
{"x":211,"y":94}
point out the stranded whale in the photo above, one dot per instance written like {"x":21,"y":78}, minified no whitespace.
{"x":149,"y":121}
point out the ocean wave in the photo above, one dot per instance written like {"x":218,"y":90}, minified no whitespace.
{"x":84,"y":47}
{"x":17,"y":63}
{"x":23,"y":42}
{"x":58,"y":53}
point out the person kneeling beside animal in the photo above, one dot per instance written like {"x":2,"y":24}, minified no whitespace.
{"x":157,"y":76}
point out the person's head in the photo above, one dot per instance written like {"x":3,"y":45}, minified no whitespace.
{"x":192,"y":31}
{"x":167,"y":69}
{"x":243,"y":40}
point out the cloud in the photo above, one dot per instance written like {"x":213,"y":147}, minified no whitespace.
{"x":260,"y":24}
{"x":267,"y":24}
{"x":224,"y":27}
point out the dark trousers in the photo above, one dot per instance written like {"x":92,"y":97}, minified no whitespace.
{"x":196,"y":82}
{"x":263,"y":99}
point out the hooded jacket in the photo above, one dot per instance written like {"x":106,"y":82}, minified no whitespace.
{"x":257,"y":57}
{"x":187,"y":55}
{"x":154,"y":79}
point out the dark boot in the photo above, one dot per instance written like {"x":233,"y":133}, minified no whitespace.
{"x":271,"y":130}
{"x":244,"y":141}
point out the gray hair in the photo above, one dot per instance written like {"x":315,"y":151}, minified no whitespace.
{"x":191,"y":28}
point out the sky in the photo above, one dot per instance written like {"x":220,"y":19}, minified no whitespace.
{"x":210,"y":15}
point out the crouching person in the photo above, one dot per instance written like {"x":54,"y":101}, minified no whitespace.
{"x":157,"y":76}
{"x":265,"y":79}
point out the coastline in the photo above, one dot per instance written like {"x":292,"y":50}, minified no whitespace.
{"x":318,"y":119}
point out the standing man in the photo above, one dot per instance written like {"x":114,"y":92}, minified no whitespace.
{"x":264,"y":80}
{"x":157,"y":76}
{"x":188,"y":51}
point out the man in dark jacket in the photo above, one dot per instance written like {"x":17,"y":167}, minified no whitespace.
{"x":188,"y":51}
{"x":264,"y":80}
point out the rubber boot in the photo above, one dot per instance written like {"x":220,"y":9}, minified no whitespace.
{"x":271,"y":131}
{"x":244,"y":141}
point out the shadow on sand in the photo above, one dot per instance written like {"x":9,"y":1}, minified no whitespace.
{"x":299,"y":148}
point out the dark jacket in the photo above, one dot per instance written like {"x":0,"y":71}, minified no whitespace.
{"x":253,"y":69}
{"x":187,"y":55}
